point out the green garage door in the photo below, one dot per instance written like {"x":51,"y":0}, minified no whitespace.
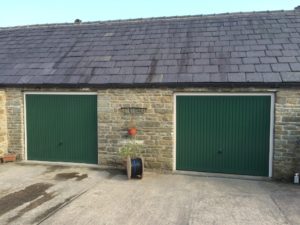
{"x":223,"y":134}
{"x":62,"y":128}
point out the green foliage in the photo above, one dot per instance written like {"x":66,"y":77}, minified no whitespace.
{"x":130,"y":149}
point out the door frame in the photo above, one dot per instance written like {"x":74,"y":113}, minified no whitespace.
{"x":272,"y":116}
{"x":45,"y":93}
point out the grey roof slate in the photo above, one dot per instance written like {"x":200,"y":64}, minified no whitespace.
{"x":237,"y":48}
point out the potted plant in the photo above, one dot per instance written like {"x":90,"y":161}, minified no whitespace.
{"x":9,"y":157}
{"x":132,"y":130}
{"x":133,"y":163}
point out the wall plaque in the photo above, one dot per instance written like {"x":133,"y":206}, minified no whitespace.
{"x":133,"y":110}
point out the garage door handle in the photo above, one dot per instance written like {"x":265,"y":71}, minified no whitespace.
{"x":60,"y":143}
{"x":220,"y":152}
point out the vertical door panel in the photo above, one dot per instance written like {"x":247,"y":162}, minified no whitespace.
{"x":62,"y":128}
{"x":224,"y":134}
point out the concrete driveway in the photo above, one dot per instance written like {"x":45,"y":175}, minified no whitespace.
{"x":43,"y":194}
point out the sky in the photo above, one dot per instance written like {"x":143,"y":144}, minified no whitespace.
{"x":27,"y":12}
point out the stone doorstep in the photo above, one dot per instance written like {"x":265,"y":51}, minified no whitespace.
{"x":222,"y":175}
{"x":66,"y":164}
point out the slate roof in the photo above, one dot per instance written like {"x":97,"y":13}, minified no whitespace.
{"x":239,"y":48}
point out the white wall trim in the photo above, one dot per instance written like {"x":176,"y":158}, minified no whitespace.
{"x":272,"y":127}
{"x":222,"y":94}
{"x":174,"y":131}
{"x":272,"y":117}
{"x":46,"y":93}
{"x":25,"y":127}
{"x":58,"y":93}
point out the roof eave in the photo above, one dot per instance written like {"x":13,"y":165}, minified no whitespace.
{"x":158,"y":85}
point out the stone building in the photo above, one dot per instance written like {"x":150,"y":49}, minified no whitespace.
{"x":215,"y":93}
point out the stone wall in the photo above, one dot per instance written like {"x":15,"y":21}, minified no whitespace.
{"x":287,"y":134}
{"x":3,"y":122}
{"x":155,"y":126}
{"x":15,"y":122}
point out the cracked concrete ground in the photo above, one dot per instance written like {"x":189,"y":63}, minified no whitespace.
{"x":44,"y":194}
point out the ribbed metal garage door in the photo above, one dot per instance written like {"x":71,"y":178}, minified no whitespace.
{"x":223,"y":134}
{"x":62,"y":128}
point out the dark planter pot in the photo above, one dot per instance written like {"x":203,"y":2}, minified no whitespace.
{"x":9,"y":158}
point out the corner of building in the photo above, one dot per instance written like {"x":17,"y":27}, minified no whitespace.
{"x":3,"y":122}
